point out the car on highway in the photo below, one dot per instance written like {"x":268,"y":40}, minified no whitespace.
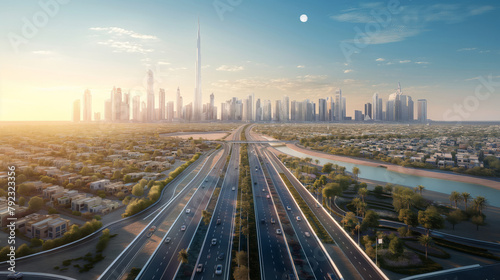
{"x":298,"y":218}
{"x":255,"y":183}
{"x":218,"y":269}
{"x":218,"y":222}
{"x":262,"y":221}
{"x":220,"y":256}
{"x":15,"y":275}
{"x":188,"y":211}
{"x":206,"y":180}
{"x":307,"y":234}
{"x":167,"y":240}
{"x":183,"y":228}
{"x":288,"y":208}
{"x":233,"y":188}
{"x":199,"y":268}
{"x":278,"y":231}
{"x":330,"y":276}
{"x":268,"y":196}
{"x":273,"y":221}
{"x":214,"y":242}
{"x":263,"y":190}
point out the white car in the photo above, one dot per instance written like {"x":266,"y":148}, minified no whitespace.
{"x":263,"y":190}
{"x":278,"y":231}
{"x":199,"y":268}
{"x":307,"y":234}
{"x":298,"y":218}
{"x":214,"y":241}
{"x":273,"y":221}
{"x":188,"y":211}
{"x":268,"y":196}
{"x":289,"y":208}
{"x":233,"y":188}
{"x":167,"y":240}
{"x":183,"y":228}
{"x":218,"y":269}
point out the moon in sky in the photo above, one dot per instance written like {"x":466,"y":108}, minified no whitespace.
{"x":303,"y":17}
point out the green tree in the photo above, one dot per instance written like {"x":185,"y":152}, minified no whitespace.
{"x":35,"y":203}
{"x":466,"y":197}
{"x":478,"y":221}
{"x":36,"y":242}
{"x":356,"y":172}
{"x":363,"y":193}
{"x":370,"y":220}
{"x":408,"y":217}
{"x":22,"y":201}
{"x":455,"y":217}
{"x":479,"y":204}
{"x":426,"y":241}
{"x":206,"y":216}
{"x":349,"y":221}
{"x":26,"y":189}
{"x":138,"y":190}
{"x":127,"y":179}
{"x":183,"y":256}
{"x":241,"y":272}
{"x":241,"y":258}
{"x":455,"y":197}
{"x":117,"y":175}
{"x":23,"y":250}
{"x":430,"y":219}
{"x":420,"y":189}
{"x":396,"y":247}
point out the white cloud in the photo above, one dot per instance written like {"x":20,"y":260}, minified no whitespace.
{"x":125,"y":46}
{"x":230,"y":68}
{"x":205,"y":66}
{"x":43,"y":52}
{"x":380,"y":59}
{"x":349,"y":81}
{"x":301,"y":66}
{"x":348,"y":71}
{"x":481,"y":10}
{"x":421,"y":62}
{"x":405,"y":61}
{"x":466,"y":49}
{"x":163,"y":63}
{"x":389,"y":63}
{"x":123,"y":32}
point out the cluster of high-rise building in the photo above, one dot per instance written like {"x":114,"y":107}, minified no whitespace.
{"x":398,"y":108}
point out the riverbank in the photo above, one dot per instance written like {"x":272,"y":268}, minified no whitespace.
{"x":401,"y":169}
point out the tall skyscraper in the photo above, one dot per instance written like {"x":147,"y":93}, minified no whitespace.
{"x":170,"y":111}
{"x":285,"y":109}
{"x":125,"y":108}
{"x":197,"y":90}
{"x":422,"y":110}
{"x":368,"y":111}
{"x":108,"y":110}
{"x":136,"y":108}
{"x":87,"y":106}
{"x":340,"y":106}
{"x":322,"y":110}
{"x":377,"y":110}
{"x":211,"y":109}
{"x":258,"y":111}
{"x":179,"y":104}
{"x":76,"y":110}
{"x":116,"y":97}
{"x":330,"y":108}
{"x":150,"y":115}
{"x":162,"y":104}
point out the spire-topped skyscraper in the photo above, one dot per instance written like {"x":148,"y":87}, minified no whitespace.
{"x":197,"y":108}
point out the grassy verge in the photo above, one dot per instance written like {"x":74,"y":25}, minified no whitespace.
{"x":428,"y":265}
{"x":315,"y":224}
{"x":465,"y":248}
{"x":432,"y":250}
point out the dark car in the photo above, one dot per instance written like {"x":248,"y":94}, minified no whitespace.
{"x":221,"y":256}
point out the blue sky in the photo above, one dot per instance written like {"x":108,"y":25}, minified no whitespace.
{"x":440,"y":51}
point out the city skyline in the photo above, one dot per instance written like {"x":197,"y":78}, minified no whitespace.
{"x":242,"y":56}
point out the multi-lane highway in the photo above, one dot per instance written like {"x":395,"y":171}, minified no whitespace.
{"x":164,"y":263}
{"x":275,"y":258}
{"x":121,"y":264}
{"x":365,"y":266}
{"x":217,"y":246}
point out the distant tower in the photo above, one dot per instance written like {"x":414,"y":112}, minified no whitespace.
{"x":150,"y":116}
{"x":179,"y":104}
{"x":87,"y":106}
{"x":422,"y":110}
{"x":197,"y":108}
{"x":76,"y":110}
{"x":162,"y":104}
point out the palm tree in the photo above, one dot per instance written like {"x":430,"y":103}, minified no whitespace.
{"x":455,"y":197}
{"x":356,"y":172}
{"x":479,"y":203}
{"x":466,"y":196}
{"x":356,"y":202}
{"x":420,"y":189}
{"x":183,"y":256}
{"x":363,"y":192}
{"x":425,"y":240}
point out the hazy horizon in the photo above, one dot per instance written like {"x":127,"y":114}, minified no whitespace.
{"x":445,"y":53}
